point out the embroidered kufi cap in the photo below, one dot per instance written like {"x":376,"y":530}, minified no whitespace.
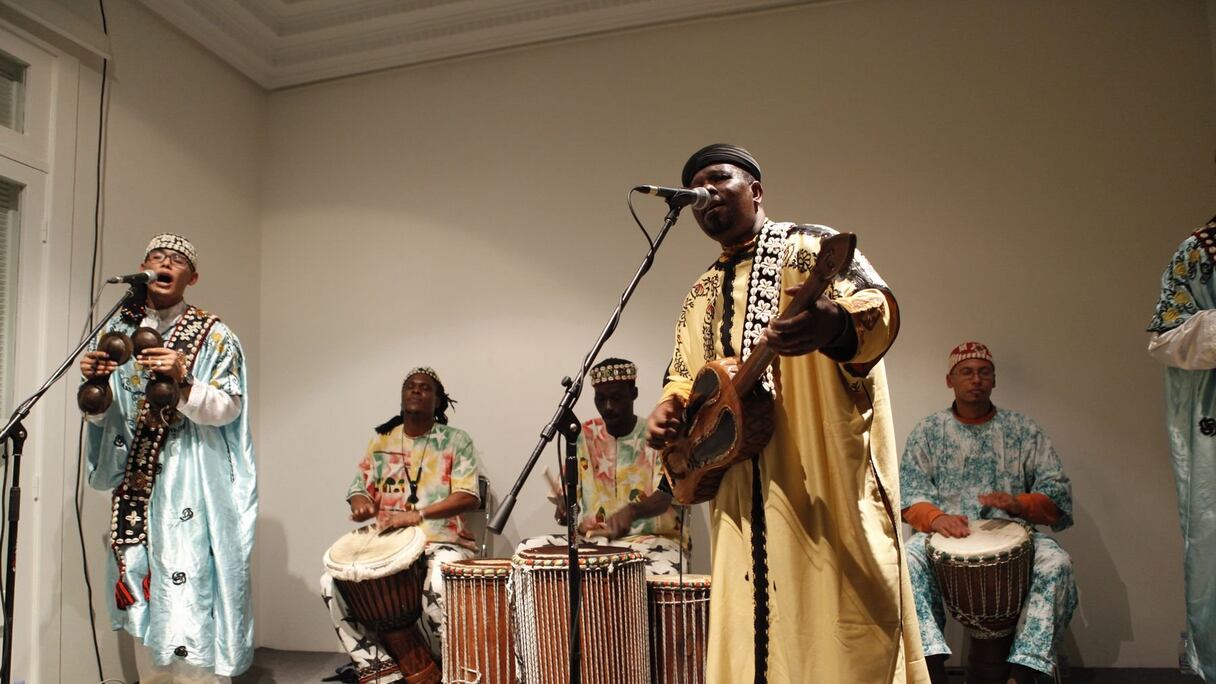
{"x":176,"y":243}
{"x":719,"y":153}
{"x":969,"y":350}
{"x":614,"y":372}
{"x":425,"y":370}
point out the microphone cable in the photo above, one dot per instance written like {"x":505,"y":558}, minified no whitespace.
{"x":95,"y":296}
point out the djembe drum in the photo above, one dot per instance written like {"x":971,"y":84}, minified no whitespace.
{"x":477,"y":641}
{"x":381,"y":576}
{"x":679,"y":627}
{"x":984,"y":577}
{"x":612,"y":618}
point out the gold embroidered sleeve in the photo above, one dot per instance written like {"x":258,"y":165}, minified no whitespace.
{"x":875,"y":320}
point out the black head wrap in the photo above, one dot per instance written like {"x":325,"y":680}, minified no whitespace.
{"x":719,"y":153}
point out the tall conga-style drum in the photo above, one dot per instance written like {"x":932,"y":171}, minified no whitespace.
{"x":678,"y":609}
{"x":380,"y":576}
{"x":477,"y":642}
{"x":612,"y":618}
{"x":984,"y":577}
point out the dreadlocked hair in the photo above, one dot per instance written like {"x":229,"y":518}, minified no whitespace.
{"x":442,"y":403}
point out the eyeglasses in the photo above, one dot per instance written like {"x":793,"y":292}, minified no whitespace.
{"x":157,"y":256}
{"x":968,"y":373}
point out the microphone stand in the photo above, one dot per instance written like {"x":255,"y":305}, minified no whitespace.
{"x":563,"y":420}
{"x":15,"y":431}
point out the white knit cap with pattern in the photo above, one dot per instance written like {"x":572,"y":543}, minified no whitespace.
{"x":614,"y":372}
{"x":176,"y":243}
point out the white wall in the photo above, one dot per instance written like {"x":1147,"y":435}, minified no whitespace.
{"x":1020,"y":172}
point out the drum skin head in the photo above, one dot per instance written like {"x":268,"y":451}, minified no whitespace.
{"x":676,"y":581}
{"x":477,"y":567}
{"x":988,"y":538}
{"x":365,"y":553}
{"x":589,"y":555}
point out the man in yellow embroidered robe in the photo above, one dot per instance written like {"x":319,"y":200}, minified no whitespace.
{"x":839,"y":602}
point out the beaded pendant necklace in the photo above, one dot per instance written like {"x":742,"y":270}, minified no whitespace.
{"x":417,"y":477}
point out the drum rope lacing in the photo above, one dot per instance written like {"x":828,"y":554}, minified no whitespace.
{"x":485,"y":586}
{"x":613,"y":596}
{"x":1011,"y":574}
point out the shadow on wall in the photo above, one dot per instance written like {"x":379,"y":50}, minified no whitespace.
{"x":272,"y":542}
{"x":1103,"y":601}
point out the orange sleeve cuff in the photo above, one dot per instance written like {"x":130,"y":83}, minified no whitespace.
{"x":1038,"y":508}
{"x":921,"y":516}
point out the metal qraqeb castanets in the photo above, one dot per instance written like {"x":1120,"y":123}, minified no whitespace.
{"x":95,"y":396}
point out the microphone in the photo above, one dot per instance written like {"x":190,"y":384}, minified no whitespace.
{"x":141,"y":278}
{"x":697,"y":198}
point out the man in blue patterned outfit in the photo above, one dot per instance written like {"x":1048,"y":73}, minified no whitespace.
{"x":183,"y":480}
{"x":974,"y":461}
{"x":1184,"y":339}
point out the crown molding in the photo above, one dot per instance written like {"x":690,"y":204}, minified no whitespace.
{"x":284,"y":43}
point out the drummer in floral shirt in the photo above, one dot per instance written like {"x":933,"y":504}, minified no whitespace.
{"x":974,"y":461}
{"x":621,"y":497}
{"x":417,"y":472}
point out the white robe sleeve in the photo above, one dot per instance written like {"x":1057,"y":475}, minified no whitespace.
{"x":1190,"y":346}
{"x":209,"y":405}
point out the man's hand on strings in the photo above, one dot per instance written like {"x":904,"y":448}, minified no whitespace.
{"x":819,"y":326}
{"x":665,"y":423}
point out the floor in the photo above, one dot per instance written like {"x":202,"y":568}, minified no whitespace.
{"x":271,"y":666}
{"x":296,"y":667}
{"x":1106,"y":675}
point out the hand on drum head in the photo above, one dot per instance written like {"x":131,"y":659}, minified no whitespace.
{"x":1002,"y":500}
{"x":615,"y":526}
{"x":665,"y":422}
{"x":391,"y":520}
{"x":951,"y":526}
{"x":362,"y":508}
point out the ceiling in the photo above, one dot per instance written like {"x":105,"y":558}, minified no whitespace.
{"x":283,"y":43}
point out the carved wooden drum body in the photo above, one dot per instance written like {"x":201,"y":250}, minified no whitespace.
{"x":984,"y":577}
{"x":381,"y":577}
{"x":478,"y":645}
{"x":679,"y":627}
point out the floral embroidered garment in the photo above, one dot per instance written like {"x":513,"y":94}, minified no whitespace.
{"x":196,"y":606}
{"x":949,"y":463}
{"x":1187,"y":290}
{"x":840,"y":606}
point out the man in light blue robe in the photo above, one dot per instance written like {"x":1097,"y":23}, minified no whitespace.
{"x":1184,"y":339}
{"x":185,"y":487}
